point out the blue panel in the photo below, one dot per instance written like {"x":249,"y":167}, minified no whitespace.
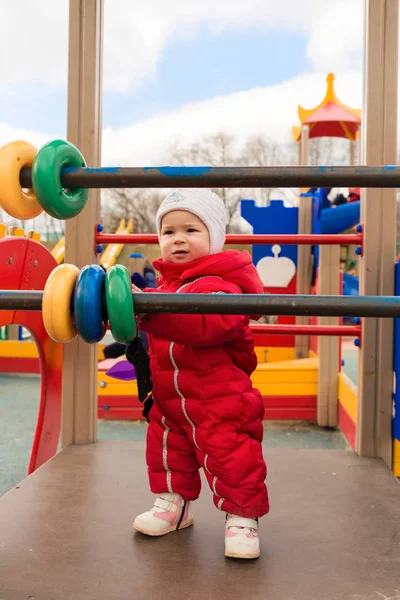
{"x":340,"y":218}
{"x":275,"y":218}
{"x":331,"y":220}
{"x":350,"y":285}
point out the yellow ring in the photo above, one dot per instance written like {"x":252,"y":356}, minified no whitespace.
{"x":56,"y":307}
{"x":17,"y":203}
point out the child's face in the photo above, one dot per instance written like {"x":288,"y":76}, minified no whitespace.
{"x":184,"y":237}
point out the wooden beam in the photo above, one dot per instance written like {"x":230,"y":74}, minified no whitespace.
{"x":84,"y":130}
{"x":304,"y":269}
{"x":328,"y":347}
{"x":378,"y":216}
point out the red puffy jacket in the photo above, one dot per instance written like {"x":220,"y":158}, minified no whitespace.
{"x":206,"y":412}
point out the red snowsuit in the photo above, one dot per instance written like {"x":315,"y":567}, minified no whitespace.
{"x":206,"y":412}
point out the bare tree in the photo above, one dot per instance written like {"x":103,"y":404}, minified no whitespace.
{"x":260,"y":151}
{"x":328,"y":151}
{"x":219,"y":150}
{"x":54,"y":228}
{"x":124,"y":203}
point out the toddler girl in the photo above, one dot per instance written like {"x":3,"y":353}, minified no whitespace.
{"x":206,"y":412}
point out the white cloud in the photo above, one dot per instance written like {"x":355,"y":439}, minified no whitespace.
{"x":11,"y":134}
{"x":336,"y":42}
{"x":34,"y":35}
{"x":268,"y":110}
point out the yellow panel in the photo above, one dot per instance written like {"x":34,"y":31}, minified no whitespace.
{"x":17,"y":231}
{"x":287,"y":376}
{"x":29,"y":349}
{"x":107,"y":386}
{"x":288,"y":389}
{"x":272,"y":354}
{"x":3,"y":230}
{"x":301,"y":364}
{"x":396,"y":457}
{"x":18,"y":349}
{"x":347,"y":393}
{"x":34,"y":235}
{"x":114,"y":387}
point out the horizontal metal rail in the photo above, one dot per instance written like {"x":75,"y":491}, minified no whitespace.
{"x":234,"y":177}
{"x":254,"y":239}
{"x":236,"y":304}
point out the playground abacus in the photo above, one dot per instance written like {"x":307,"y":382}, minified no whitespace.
{"x":58,"y":167}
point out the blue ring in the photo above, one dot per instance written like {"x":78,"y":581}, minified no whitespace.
{"x":88,"y":311}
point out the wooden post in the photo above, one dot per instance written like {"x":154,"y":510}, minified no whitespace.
{"x":305,"y":136}
{"x":352,"y":153}
{"x":84,"y":130}
{"x":13,"y":332}
{"x":328,"y":347}
{"x":378,"y":216}
{"x":303,"y":252}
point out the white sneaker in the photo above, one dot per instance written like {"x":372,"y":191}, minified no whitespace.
{"x":169,"y":513}
{"x":241,"y":537}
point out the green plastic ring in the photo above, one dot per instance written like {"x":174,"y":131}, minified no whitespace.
{"x":121,"y":314}
{"x":46,"y":181}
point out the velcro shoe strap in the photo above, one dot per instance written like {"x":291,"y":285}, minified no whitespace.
{"x":164,"y":504}
{"x":241,"y":522}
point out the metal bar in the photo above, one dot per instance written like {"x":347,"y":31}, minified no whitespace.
{"x":283,"y":239}
{"x":323,"y":330}
{"x":236,"y":304}
{"x":234,"y":177}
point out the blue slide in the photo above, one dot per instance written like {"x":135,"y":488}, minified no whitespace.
{"x":329,"y":220}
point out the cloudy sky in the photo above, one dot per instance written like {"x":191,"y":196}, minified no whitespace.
{"x":180,"y":69}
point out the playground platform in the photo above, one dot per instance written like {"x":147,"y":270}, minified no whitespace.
{"x":332,"y":534}
{"x":19,"y":399}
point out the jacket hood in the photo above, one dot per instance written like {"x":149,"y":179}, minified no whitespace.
{"x":231,"y":265}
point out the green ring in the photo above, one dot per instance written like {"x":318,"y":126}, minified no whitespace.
{"x":121,"y":314}
{"x":46,"y":181}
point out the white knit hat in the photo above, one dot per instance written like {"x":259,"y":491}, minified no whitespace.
{"x":203,"y":203}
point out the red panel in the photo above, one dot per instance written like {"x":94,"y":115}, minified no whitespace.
{"x":290,"y":401}
{"x":347,"y":426}
{"x":120,"y":414}
{"x":26,"y":265}
{"x":120,"y":401}
{"x":302,"y":408}
{"x":12,"y":364}
{"x":290,"y":414}
{"x":273,"y":341}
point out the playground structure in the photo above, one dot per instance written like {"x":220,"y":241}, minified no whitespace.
{"x":94,"y":476}
{"x":289,"y":385}
{"x":289,"y":388}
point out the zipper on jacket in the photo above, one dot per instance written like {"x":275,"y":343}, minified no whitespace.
{"x":183,"y":404}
